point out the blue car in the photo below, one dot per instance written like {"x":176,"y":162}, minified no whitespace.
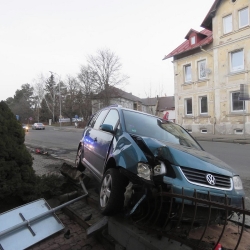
{"x":121,"y":146}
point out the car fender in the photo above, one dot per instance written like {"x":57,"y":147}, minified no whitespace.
{"x":126,"y":153}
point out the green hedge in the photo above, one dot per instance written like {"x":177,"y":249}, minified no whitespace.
{"x":17,"y":177}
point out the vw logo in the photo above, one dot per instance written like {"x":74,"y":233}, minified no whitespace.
{"x":210,"y":179}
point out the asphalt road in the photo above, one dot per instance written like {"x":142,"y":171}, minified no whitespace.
{"x":235,"y":155}
{"x":66,"y":141}
{"x":63,"y":143}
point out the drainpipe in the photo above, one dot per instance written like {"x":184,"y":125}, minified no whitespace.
{"x":244,"y":117}
{"x":214,"y":122}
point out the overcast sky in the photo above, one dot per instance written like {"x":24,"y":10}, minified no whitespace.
{"x":38,"y":36}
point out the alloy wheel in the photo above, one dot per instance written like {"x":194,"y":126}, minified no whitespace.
{"x":105,"y":190}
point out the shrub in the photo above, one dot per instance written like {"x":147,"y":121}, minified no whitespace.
{"x":52,"y":185}
{"x":18,"y":182}
{"x":17,"y":177}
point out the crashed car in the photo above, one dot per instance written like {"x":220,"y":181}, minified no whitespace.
{"x":121,"y":146}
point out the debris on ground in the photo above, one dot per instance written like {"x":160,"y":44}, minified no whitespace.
{"x":39,"y":151}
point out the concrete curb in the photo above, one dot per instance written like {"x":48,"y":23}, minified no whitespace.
{"x":224,"y":139}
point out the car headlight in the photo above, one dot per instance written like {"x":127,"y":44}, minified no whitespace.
{"x":237,"y":183}
{"x":160,"y":169}
{"x":143,"y":170}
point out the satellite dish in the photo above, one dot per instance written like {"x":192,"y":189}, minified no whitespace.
{"x":208,"y":71}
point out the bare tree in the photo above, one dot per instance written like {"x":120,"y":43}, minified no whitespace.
{"x":70,"y":93}
{"x":86,"y":81}
{"x":157,"y":92}
{"x":106,"y":67}
{"x":38,"y":85}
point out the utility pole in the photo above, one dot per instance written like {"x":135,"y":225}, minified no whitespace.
{"x":60,"y":100}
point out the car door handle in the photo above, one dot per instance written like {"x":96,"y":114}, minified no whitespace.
{"x":95,"y":139}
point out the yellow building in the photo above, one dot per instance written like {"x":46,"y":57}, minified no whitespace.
{"x":211,"y":67}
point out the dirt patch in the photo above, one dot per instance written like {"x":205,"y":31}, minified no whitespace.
{"x":230,"y":236}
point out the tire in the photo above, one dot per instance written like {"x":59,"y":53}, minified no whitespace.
{"x":111,"y":199}
{"x":78,"y":163}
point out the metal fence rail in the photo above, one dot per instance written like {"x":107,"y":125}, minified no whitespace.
{"x":159,"y":214}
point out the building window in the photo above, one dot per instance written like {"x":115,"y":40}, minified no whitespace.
{"x":203,"y":105}
{"x":236,"y":104}
{"x":188,"y":73}
{"x":202,"y":69}
{"x":243,"y":17}
{"x":192,"y":40}
{"x":188,"y":106}
{"x":227,"y":24}
{"x":237,"y":60}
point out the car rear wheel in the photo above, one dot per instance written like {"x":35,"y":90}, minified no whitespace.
{"x":112,"y":191}
{"x":78,"y":161}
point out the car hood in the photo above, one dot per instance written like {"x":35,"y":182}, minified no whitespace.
{"x":187,"y":157}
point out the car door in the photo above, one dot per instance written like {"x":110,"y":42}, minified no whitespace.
{"x":97,"y":142}
{"x":89,"y":141}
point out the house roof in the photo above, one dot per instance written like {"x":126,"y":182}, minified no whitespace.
{"x":194,"y":31}
{"x":163,"y":102}
{"x":207,"y":36}
{"x":207,"y":39}
{"x":166,"y":102}
{"x":207,"y":22}
{"x":116,"y":93}
{"x":149,"y":101}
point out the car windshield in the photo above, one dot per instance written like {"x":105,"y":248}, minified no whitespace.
{"x":151,"y":126}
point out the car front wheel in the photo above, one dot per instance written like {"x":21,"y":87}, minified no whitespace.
{"x":112,"y":191}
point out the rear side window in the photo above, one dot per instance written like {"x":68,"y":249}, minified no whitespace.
{"x":92,"y":120}
{"x":100,"y":118}
{"x":112,"y":118}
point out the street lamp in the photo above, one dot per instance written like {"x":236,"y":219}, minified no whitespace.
{"x":60,"y":99}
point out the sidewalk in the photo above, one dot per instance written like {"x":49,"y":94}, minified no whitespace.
{"x":243,"y":139}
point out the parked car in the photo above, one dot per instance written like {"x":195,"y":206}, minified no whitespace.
{"x":25,"y":127}
{"x":120,"y":145}
{"x":38,"y":126}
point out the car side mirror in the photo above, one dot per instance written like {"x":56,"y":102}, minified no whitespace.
{"x":107,"y":128}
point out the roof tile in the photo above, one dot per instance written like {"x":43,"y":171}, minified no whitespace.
{"x":186,"y":46}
